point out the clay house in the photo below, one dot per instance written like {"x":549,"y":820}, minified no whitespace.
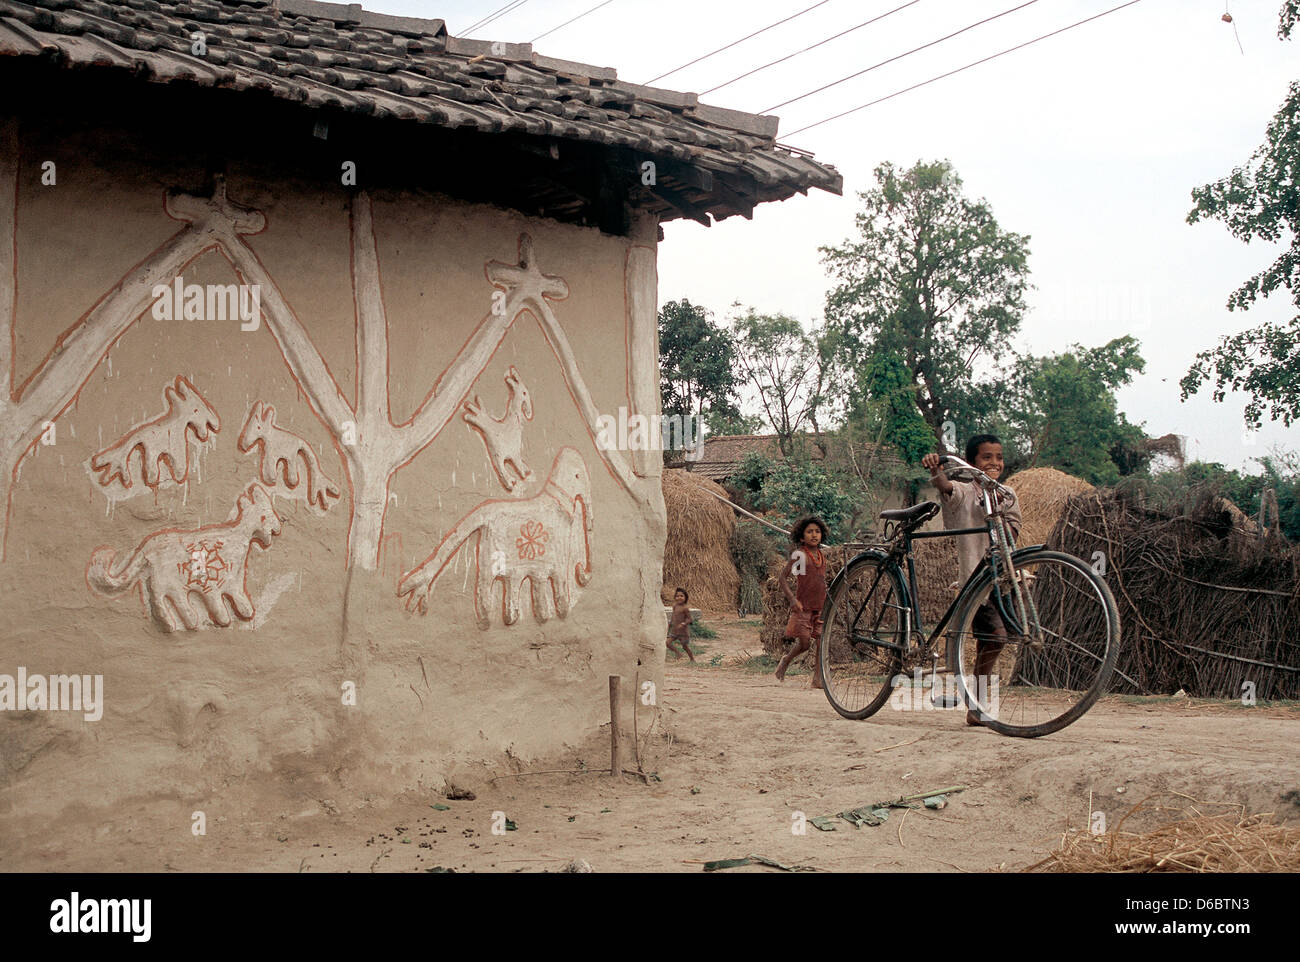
{"x":307,"y":314}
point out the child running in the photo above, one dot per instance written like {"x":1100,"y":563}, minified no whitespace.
{"x":679,"y":625}
{"x":809,"y":566}
{"x":963,"y":507}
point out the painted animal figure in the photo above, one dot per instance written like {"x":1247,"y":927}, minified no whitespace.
{"x":545,"y":540}
{"x":504,"y":436}
{"x":210,"y":561}
{"x":280,"y":451}
{"x":164,"y":440}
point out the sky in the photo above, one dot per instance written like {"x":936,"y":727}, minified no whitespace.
{"x":1090,"y":142}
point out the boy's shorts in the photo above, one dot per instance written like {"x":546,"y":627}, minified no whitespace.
{"x":804,"y":625}
{"x":987,"y":626}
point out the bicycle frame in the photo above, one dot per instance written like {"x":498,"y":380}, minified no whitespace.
{"x":899,"y":549}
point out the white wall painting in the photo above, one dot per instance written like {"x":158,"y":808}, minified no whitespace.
{"x":504,"y":436}
{"x":544,"y":540}
{"x":211,"y":562}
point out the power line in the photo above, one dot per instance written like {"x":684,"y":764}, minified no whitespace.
{"x":976,"y":63}
{"x":882,"y":63}
{"x":567,"y":22}
{"x":495,"y":15}
{"x":822,"y":3}
{"x":813,"y":47}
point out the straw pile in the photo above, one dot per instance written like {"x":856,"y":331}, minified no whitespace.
{"x":1206,"y":604}
{"x":1196,"y":843}
{"x":1043,"y":493}
{"x":936,"y":570}
{"x":697,"y":555}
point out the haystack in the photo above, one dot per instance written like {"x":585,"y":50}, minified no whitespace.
{"x":697,"y":555}
{"x":1043,"y":493}
{"x":1195,"y":843}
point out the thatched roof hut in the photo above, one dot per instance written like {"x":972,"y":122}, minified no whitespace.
{"x":697,"y":555}
{"x":1207,"y":604}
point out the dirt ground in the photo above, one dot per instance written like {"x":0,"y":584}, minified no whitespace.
{"x":735,"y":756}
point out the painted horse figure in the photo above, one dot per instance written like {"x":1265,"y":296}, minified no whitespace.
{"x":211,"y":562}
{"x":281,"y":451}
{"x":504,"y":436}
{"x":165,"y":439}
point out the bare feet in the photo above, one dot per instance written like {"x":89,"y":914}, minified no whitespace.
{"x":780,"y":669}
{"x":973,"y":719}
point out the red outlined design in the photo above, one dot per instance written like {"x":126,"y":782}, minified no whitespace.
{"x":532,"y":539}
{"x":280,"y":453}
{"x":162,"y":441}
{"x":174,"y":564}
{"x":504,"y":436}
{"x":544,"y":540}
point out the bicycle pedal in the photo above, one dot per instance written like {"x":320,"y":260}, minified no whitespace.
{"x":945,"y":701}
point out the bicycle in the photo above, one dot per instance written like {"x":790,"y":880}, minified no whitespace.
{"x":1062,"y":625}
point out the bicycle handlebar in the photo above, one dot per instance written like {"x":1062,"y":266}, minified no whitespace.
{"x":958,"y":462}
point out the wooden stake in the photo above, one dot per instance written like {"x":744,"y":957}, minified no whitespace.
{"x":615,"y":765}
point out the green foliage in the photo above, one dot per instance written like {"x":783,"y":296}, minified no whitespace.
{"x":754,"y":467}
{"x":933,"y":281}
{"x":697,"y":361}
{"x":721,"y":423}
{"x":1279,"y":471}
{"x":794,"y":489}
{"x":891,"y":391}
{"x":700,"y":630}
{"x":1063,"y":408}
{"x":1260,"y":199}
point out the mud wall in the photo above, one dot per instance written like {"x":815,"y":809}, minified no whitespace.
{"x":361,"y":533}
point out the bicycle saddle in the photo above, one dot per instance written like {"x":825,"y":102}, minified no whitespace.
{"x":916,"y":514}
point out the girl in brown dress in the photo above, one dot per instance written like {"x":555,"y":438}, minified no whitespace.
{"x":808,"y":564}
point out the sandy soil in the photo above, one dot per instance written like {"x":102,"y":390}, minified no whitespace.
{"x":735,"y":755}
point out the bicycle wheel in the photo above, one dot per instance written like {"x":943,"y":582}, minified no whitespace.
{"x":1060,"y":650}
{"x":865,"y":630}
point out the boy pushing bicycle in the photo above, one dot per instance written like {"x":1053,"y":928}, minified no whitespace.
{"x":962,"y":504}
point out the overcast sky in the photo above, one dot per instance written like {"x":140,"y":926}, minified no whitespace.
{"x":1090,"y":142}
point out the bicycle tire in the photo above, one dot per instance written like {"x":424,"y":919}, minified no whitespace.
{"x":846,"y":666}
{"x":1077,"y":642}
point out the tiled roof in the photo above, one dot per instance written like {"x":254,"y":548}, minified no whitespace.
{"x":332,"y":56}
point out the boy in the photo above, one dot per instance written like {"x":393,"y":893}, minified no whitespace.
{"x":679,"y":624}
{"x":809,"y":564}
{"x":963,"y":507}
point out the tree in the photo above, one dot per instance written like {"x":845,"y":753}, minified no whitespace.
{"x":932,"y":280}
{"x":696,"y":362}
{"x":788,"y":368}
{"x":793,"y":489}
{"x":1063,"y":408}
{"x":1260,"y":200}
{"x":889,"y":387}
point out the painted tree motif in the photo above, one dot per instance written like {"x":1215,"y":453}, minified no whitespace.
{"x":27,"y":409}
{"x":373,"y":447}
